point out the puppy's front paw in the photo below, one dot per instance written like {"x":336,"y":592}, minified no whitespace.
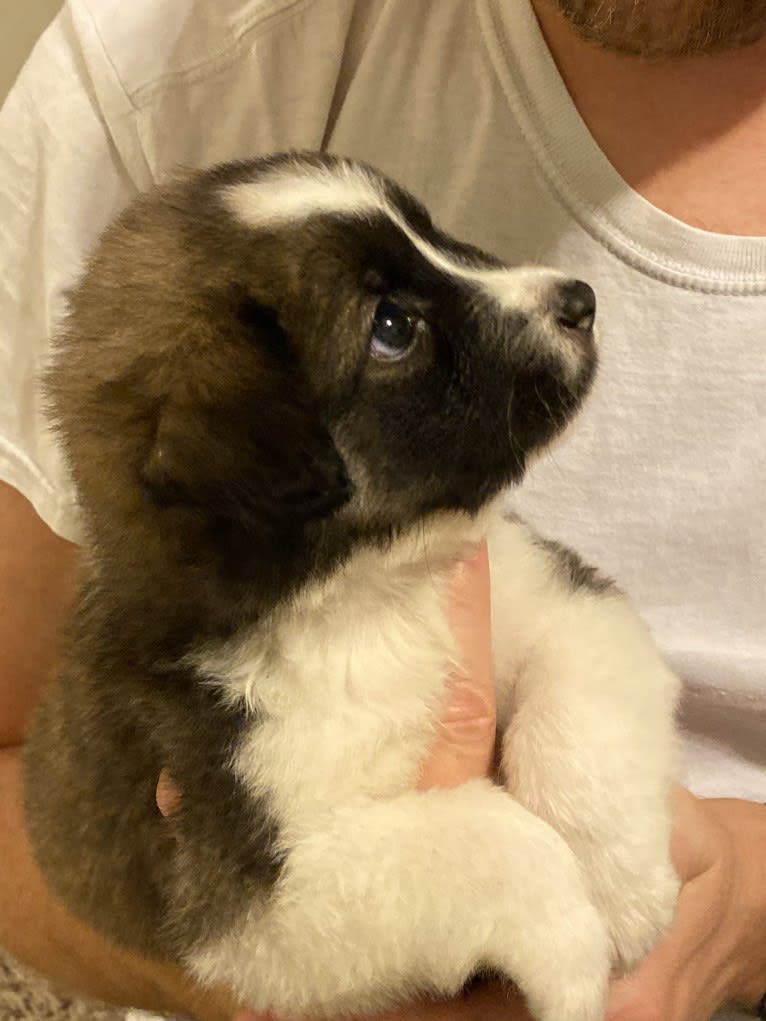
{"x":638,"y":905}
{"x":549,"y":937}
{"x":569,"y":979}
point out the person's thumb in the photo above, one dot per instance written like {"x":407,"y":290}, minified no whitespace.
{"x":465,"y":743}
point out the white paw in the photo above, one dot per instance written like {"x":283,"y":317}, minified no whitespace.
{"x":563,"y":970}
{"x":638,"y":910}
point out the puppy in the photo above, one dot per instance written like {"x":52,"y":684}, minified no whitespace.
{"x":289,"y":404}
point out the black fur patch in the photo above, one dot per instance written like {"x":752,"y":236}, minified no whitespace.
{"x":574,"y":572}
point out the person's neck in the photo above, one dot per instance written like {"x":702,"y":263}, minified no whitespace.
{"x":687,"y":134}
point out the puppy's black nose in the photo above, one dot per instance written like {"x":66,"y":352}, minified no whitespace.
{"x":575,"y":306}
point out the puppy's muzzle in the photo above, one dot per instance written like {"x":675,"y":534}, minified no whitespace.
{"x":560,"y":315}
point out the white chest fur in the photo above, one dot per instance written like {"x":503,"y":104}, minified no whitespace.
{"x":346,"y":683}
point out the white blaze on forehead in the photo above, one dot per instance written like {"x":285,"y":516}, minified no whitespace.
{"x":290,"y":195}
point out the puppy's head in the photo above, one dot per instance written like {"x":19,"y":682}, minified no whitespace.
{"x":272,"y":360}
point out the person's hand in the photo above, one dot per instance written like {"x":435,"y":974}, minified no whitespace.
{"x":462,"y":751}
{"x":715,"y":951}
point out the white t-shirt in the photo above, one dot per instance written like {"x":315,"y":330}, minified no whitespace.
{"x":661,"y":483}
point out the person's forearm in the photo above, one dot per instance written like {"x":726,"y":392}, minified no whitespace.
{"x":37,"y":929}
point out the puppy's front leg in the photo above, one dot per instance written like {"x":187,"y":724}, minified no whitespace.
{"x":588,"y":740}
{"x":386,"y":900}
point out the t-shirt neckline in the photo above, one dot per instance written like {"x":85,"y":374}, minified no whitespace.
{"x":587,"y":184}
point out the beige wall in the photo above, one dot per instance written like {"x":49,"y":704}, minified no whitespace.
{"x":21,"y":22}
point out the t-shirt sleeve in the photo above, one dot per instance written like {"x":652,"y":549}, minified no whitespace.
{"x":62,"y":179}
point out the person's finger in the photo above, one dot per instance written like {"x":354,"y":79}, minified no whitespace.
{"x":168,"y":795}
{"x":465,"y":742}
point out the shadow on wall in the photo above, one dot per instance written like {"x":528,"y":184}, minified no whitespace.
{"x":20,"y":26}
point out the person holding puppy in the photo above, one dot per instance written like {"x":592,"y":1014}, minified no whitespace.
{"x":624,"y":141}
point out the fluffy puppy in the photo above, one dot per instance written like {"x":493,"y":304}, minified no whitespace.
{"x":289,"y":404}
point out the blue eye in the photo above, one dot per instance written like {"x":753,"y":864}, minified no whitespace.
{"x":393,"y":331}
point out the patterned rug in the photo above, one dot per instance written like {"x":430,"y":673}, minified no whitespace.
{"x":26,"y":997}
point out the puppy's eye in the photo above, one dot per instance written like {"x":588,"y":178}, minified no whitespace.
{"x":393,"y":331}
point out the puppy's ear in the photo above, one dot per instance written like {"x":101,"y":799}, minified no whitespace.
{"x":239,"y":438}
